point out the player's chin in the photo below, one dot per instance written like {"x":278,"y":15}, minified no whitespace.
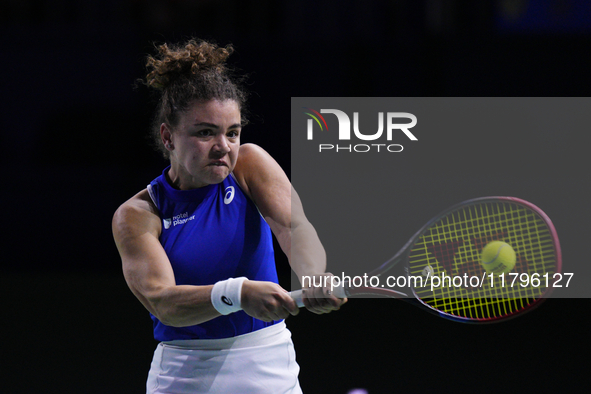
{"x":217,"y":174}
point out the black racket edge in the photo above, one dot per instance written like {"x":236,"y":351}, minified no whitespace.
{"x":385,"y":293}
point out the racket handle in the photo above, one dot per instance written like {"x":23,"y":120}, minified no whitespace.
{"x":338,"y":292}
{"x":297,"y":297}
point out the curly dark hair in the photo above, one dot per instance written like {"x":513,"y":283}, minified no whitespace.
{"x":188,"y":72}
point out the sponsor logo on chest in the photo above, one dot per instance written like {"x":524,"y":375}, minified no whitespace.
{"x":184,"y":217}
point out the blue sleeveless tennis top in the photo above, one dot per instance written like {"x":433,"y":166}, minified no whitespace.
{"x":210,"y":234}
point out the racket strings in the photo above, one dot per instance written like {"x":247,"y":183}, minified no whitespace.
{"x":452,"y":248}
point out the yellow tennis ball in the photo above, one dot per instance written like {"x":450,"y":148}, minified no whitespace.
{"x":498,"y":257}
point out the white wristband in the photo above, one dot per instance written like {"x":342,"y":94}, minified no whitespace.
{"x":225,"y":295}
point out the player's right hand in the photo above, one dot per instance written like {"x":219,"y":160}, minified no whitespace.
{"x":267,"y":301}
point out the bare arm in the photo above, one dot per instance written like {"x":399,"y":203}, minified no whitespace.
{"x":147,"y":270}
{"x":268,"y":186}
{"x":149,"y":274}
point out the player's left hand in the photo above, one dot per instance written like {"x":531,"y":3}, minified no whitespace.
{"x":319,"y":299}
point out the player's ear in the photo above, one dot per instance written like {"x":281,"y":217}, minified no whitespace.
{"x":166,"y":136}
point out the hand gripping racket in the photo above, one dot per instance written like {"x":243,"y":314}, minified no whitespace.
{"x":449,"y":247}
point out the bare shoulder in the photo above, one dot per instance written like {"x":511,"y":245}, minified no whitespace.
{"x":136,"y":215}
{"x":265,"y":182}
{"x":256,"y":166}
{"x":251,"y":155}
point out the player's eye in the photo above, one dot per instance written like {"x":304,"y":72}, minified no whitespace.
{"x":233,"y":133}
{"x":205,"y":133}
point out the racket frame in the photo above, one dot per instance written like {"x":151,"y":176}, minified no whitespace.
{"x":403,"y":255}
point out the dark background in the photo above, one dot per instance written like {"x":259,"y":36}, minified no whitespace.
{"x":74,"y":146}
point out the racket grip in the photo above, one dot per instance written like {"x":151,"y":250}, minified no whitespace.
{"x":297,"y":295}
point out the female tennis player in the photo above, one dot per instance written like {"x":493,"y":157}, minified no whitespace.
{"x":196,"y":244}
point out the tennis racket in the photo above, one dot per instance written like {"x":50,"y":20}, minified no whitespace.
{"x":450,"y":246}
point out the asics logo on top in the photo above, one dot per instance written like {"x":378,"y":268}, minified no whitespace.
{"x":229,"y":196}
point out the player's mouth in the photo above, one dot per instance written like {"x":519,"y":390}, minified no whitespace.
{"x":218,"y":163}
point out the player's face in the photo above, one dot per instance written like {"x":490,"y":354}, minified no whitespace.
{"x":205,"y":144}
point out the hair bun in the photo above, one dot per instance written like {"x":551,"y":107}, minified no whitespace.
{"x":185,"y":61}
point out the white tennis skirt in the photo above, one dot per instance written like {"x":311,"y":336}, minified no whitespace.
{"x":262,"y":362}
